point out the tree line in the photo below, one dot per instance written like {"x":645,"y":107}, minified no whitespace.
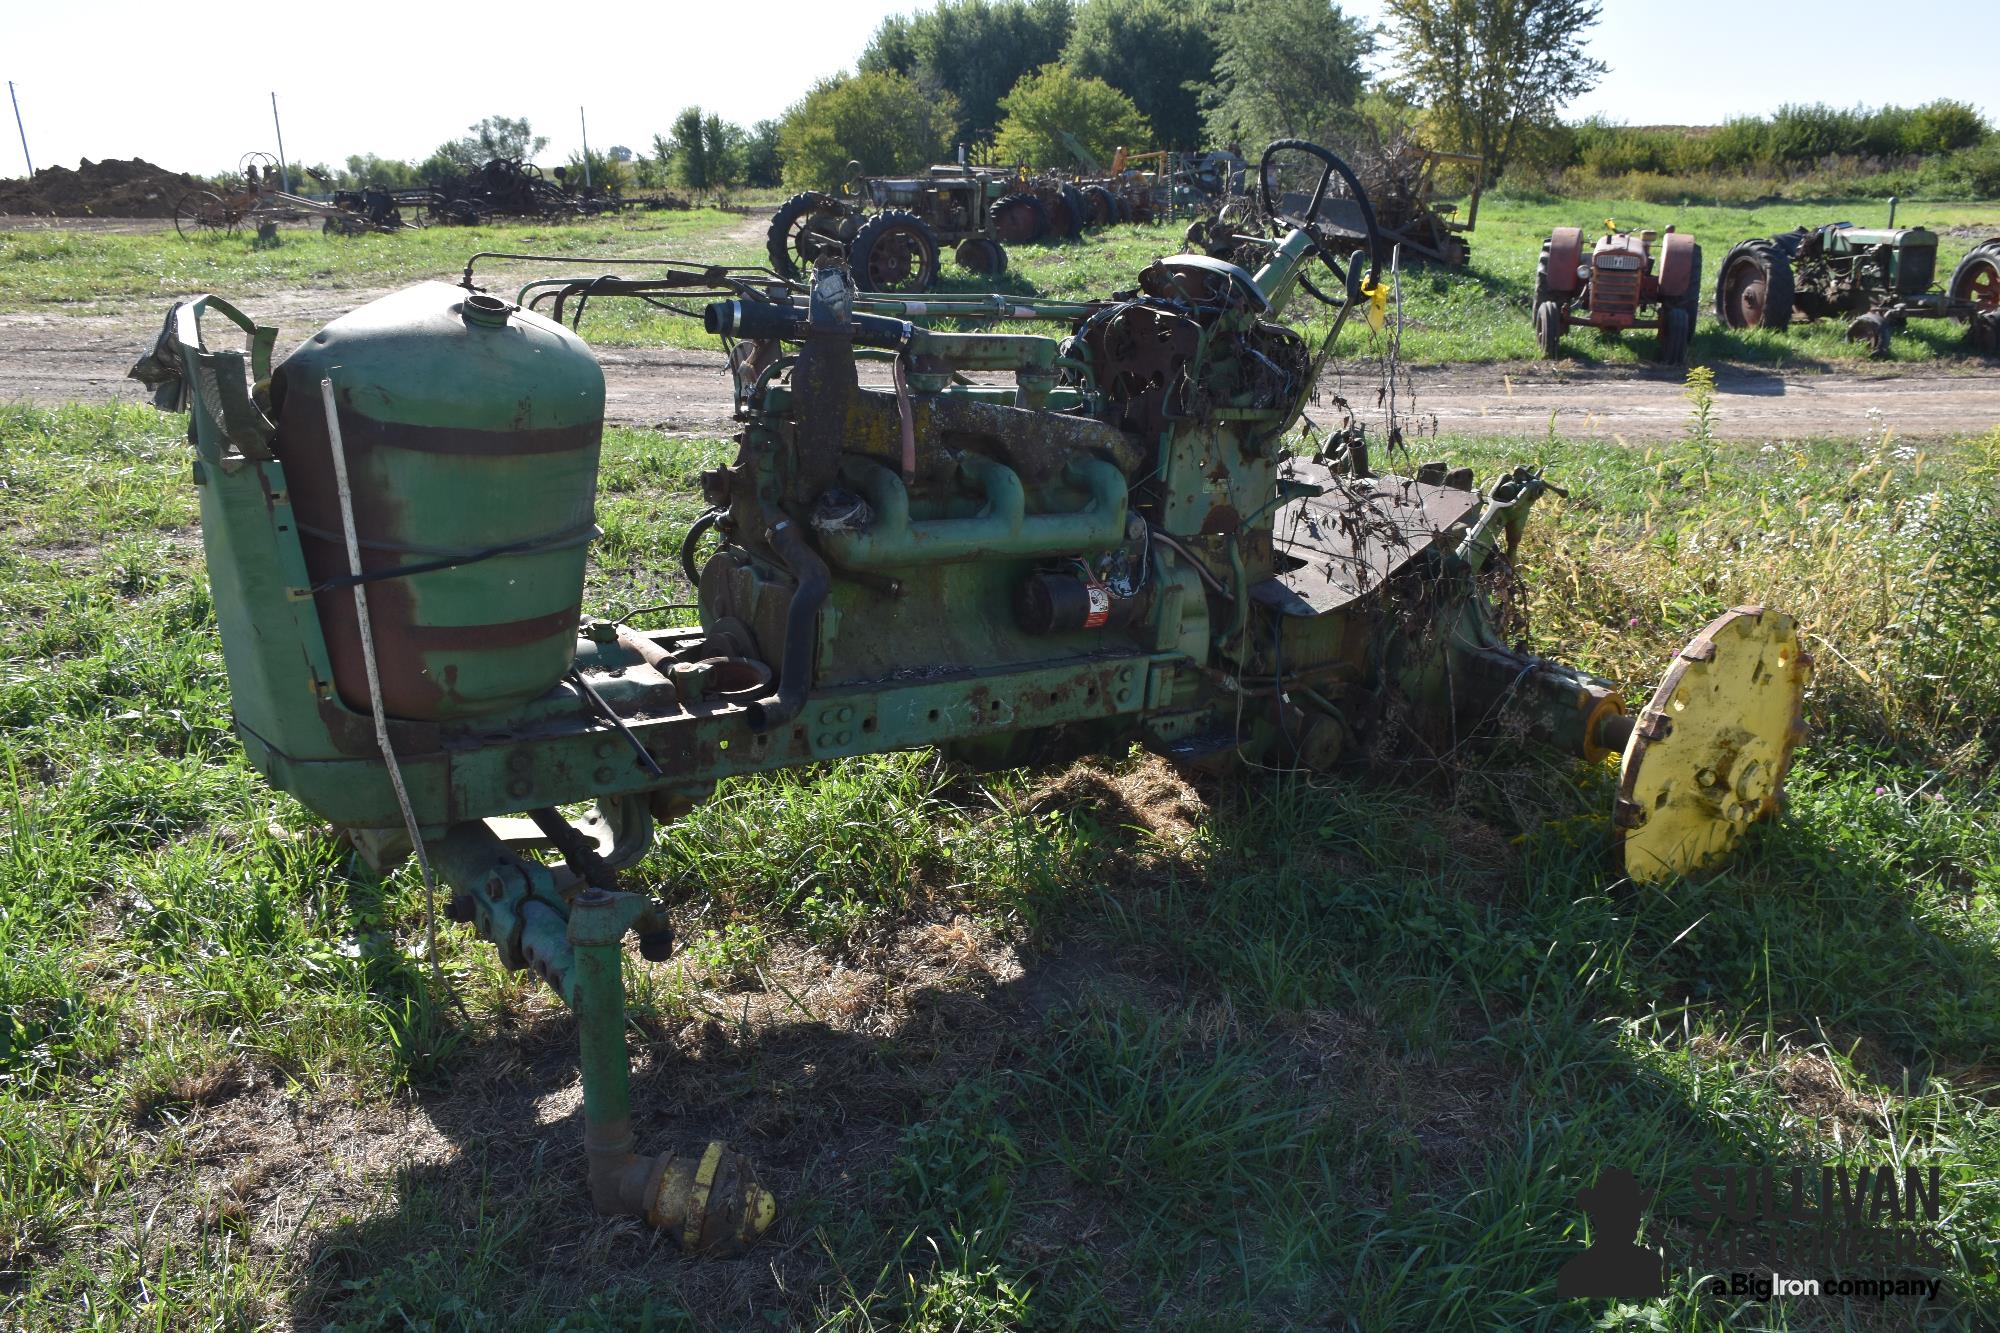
{"x":1052,"y":82}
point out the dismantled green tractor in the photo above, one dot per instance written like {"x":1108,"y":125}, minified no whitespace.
{"x":1877,"y":278}
{"x":1008,"y":546}
{"x":894,"y":233}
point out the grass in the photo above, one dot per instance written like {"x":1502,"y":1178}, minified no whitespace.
{"x":1478,"y":314}
{"x":1084,"y":1047}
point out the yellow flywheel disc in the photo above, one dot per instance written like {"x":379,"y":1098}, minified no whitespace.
{"x":1708,"y":756}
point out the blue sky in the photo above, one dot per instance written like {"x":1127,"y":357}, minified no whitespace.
{"x":192,"y":91}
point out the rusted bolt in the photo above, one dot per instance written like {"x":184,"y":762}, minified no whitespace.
{"x":604,"y":749}
{"x":519,"y":787}
{"x":602,"y":776}
{"x":844,"y":737}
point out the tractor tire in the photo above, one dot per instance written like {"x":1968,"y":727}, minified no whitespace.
{"x":1021,"y":219}
{"x":1985,"y":331}
{"x":1103,"y":206}
{"x":1541,"y":296}
{"x":1977,"y":280}
{"x":1676,"y":333}
{"x":1070,"y":213}
{"x":1872,"y":330}
{"x":1549,"y":325}
{"x":790,"y":243}
{"x":895,"y":251}
{"x":984,"y":257}
{"x":1754,"y":288}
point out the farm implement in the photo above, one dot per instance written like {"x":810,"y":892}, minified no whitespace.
{"x":1016,"y":546}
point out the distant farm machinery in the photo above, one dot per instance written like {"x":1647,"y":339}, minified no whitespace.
{"x":501,"y":187}
{"x":1878,"y":277}
{"x":894,"y":230}
{"x":261,"y":202}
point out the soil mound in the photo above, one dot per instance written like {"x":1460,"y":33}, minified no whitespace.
{"x":111,"y":188}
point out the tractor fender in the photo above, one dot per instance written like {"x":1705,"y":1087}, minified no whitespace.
{"x":1676,"y":266}
{"x":1565,"y":254}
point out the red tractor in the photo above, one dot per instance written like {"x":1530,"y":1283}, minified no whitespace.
{"x":1612,"y":290}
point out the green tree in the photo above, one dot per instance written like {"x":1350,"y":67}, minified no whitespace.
{"x":1286,"y":68}
{"x":698,"y":147}
{"x":1055,"y":100}
{"x":973,"y":49}
{"x":760,"y":155}
{"x":1493,"y":73}
{"x":1160,"y":53}
{"x":882,"y":120}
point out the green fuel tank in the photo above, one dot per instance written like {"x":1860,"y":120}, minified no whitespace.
{"x":471,"y":430}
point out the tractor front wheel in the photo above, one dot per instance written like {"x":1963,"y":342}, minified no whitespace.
{"x":1754,"y":288}
{"x":1550,"y":322}
{"x":1873,"y":330}
{"x":1676,"y":332}
{"x":1985,"y":330}
{"x":981,"y":255}
{"x":895,"y":251}
{"x":1977,"y":280}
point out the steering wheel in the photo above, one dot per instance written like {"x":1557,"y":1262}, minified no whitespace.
{"x":1347,"y":275}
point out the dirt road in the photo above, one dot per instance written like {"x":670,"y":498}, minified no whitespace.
{"x":51,"y":358}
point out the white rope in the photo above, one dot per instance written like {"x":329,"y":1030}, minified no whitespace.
{"x":339,"y":451}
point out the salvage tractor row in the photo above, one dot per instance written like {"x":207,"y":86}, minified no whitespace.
{"x":1878,"y":279}
{"x":895,"y":231}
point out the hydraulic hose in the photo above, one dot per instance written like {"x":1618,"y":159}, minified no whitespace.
{"x":691,"y":541}
{"x":801,"y":624}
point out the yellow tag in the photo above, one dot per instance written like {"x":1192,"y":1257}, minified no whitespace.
{"x":1378,"y":304}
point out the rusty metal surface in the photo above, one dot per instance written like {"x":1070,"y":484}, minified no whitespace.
{"x":1335,"y":547}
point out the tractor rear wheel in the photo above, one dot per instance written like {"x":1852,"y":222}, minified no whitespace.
{"x":1676,"y":331}
{"x":1977,"y":279}
{"x":1754,"y":288}
{"x":895,"y":251}
{"x":797,"y":231}
{"x":1021,"y":219}
{"x":1549,"y":325}
{"x":981,"y":255}
{"x":1103,"y":207}
{"x":1872,"y":330}
{"x":1541,"y":279}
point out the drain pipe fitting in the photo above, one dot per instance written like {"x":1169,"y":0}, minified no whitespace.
{"x":712,"y":1204}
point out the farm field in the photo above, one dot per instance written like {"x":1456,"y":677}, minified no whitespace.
{"x":1086,"y":1046}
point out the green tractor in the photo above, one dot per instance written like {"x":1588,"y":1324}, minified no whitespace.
{"x":1031,"y":545}
{"x":895,"y":231}
{"x":1879,"y":278}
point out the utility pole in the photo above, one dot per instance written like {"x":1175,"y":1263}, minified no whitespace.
{"x":585,"y":127}
{"x":284,"y":175}
{"x":23,"y":129}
